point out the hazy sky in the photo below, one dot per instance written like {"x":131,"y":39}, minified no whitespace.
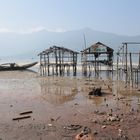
{"x":115,"y":16}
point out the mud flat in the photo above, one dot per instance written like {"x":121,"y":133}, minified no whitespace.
{"x":59,"y":108}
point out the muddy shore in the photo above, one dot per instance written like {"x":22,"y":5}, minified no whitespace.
{"x":61,"y":108}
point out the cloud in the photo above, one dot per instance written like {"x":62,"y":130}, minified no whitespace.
{"x":5,"y":30}
{"x":30,"y":30}
{"x":56,"y":30}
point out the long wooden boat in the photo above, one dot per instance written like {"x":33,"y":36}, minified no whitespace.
{"x":14,"y":66}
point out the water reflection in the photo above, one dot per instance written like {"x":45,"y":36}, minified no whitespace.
{"x":128,"y":95}
{"x":58,"y":90}
{"x":96,"y":100}
{"x":87,"y":86}
{"x":31,"y":71}
{"x":18,"y":74}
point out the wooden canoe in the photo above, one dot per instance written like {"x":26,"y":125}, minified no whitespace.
{"x":14,"y":66}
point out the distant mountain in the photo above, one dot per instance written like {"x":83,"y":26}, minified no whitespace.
{"x":29,"y":45}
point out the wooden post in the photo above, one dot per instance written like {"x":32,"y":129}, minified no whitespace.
{"x":63,"y":69}
{"x":48,"y":65}
{"x":123,"y":59}
{"x":139,"y":61}
{"x":76,"y":63}
{"x":95,"y":68}
{"x":137,"y":77}
{"x":117,"y":67}
{"x":131,"y":68}
{"x":112,"y":66}
{"x":40,"y":64}
{"x":56,"y":62}
{"x":43,"y":65}
{"x":126,"y":68}
{"x":60,"y":72}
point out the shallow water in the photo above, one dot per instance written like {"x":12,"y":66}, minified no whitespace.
{"x":59,"y":97}
{"x":57,"y":91}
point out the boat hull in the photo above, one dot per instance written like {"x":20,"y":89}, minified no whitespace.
{"x":16,"y":67}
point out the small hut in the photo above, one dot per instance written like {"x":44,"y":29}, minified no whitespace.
{"x":58,"y":61}
{"x":96,"y":56}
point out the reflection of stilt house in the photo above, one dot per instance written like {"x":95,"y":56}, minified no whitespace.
{"x":94,"y":57}
{"x":58,"y":91}
{"x":58,"y":61}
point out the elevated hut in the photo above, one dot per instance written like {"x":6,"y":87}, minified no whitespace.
{"x":94,"y":57}
{"x":58,"y":61}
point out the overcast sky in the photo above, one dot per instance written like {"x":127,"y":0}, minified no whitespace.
{"x":115,"y":16}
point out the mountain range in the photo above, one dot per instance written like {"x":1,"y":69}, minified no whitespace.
{"x":30,"y":44}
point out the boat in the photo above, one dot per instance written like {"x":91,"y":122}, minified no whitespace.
{"x":14,"y":66}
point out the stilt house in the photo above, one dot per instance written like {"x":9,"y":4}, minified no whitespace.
{"x":58,"y":61}
{"x":96,"y":56}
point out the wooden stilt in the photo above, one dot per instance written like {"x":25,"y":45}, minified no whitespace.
{"x":131,"y":69}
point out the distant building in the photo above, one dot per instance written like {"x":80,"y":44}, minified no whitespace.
{"x":58,"y":61}
{"x":95,"y":56}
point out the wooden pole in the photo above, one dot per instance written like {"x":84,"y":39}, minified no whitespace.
{"x":137,"y":77}
{"x":60,"y":72}
{"x":56,"y":62}
{"x":20,"y":118}
{"x":117,"y":67}
{"x":139,"y":61}
{"x":43,"y":65}
{"x":48,"y":65}
{"x":126,"y":68}
{"x":131,"y":68}
{"x":123,"y":60}
{"x":40,"y":64}
{"x":95,"y":68}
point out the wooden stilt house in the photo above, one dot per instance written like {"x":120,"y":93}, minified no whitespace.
{"x":58,"y":61}
{"x":95,"y":57}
